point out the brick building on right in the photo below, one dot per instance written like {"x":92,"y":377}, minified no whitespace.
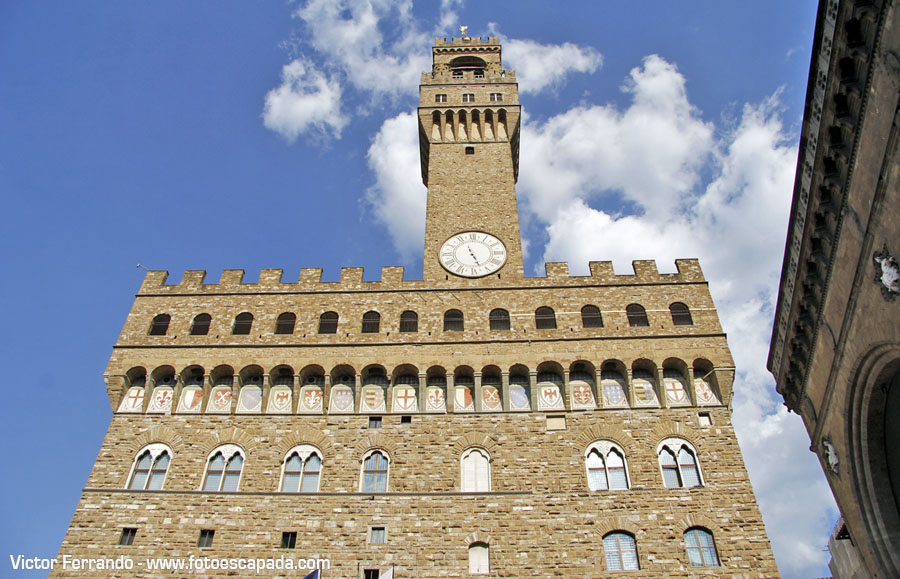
{"x":835,"y":350}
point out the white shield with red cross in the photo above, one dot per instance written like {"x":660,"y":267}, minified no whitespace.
{"x":404,"y":399}
{"x":133,"y":400}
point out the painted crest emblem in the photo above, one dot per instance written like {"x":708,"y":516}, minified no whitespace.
{"x":251,"y":399}
{"x":613,"y":394}
{"x":436,"y":399}
{"x":161,"y":401}
{"x":704,"y":392}
{"x":191,"y":399}
{"x":490,"y":398}
{"x":582,"y":395}
{"x":312,"y":399}
{"x":373,"y":399}
{"x":133,"y":401}
{"x":221,"y":399}
{"x":280,"y":400}
{"x":404,"y":398}
{"x":342,"y":400}
{"x":464,"y":399}
{"x":550,"y":397}
{"x":675,"y":391}
{"x":518,"y":397}
{"x":643,"y":392}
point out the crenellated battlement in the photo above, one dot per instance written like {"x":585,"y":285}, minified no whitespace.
{"x":392,"y":278}
{"x":467,"y":42}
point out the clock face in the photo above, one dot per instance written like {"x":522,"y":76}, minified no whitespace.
{"x":472,"y":254}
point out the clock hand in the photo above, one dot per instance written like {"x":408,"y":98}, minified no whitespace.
{"x":472,"y":253}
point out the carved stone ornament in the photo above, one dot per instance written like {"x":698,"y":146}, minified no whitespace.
{"x":830,"y":456}
{"x":887,"y":273}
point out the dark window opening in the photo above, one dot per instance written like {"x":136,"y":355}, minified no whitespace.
{"x":371,"y":573}
{"x":160,"y":325}
{"x":206,"y":538}
{"x":637,"y":315}
{"x":328,"y":323}
{"x":371,"y":322}
{"x":409,"y":321}
{"x":499,"y":319}
{"x":406,"y":419}
{"x":285,"y":323}
{"x":591,"y":317}
{"x":374,"y":422}
{"x":288,"y":540}
{"x":200,"y":325}
{"x":127,"y":536}
{"x":545,"y":318}
{"x":242,"y":324}
{"x":470,"y":150}
{"x":681,"y":315}
{"x":453,"y":321}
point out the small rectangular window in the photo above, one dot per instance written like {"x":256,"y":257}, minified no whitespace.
{"x":556,"y":423}
{"x":456,"y":74}
{"x":496,"y":97}
{"x":440,"y":98}
{"x":206,"y":538}
{"x":376,"y":536}
{"x":705,"y":419}
{"x":406,"y":420}
{"x":468,"y":97}
{"x":371,"y":573}
{"x":470,"y":150}
{"x":127,"y":536}
{"x":288,"y":540}
{"x":374,"y":422}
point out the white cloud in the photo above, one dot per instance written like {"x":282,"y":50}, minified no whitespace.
{"x":398,"y":197}
{"x":306,"y":100}
{"x":650,"y":153}
{"x":734,"y":223}
{"x":541,"y":67}
{"x":347,"y":35}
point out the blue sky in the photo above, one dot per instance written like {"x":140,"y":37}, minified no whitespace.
{"x":212,"y":135}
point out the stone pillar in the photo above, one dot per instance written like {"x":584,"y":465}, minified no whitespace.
{"x":566,"y":394}
{"x":692,"y":392}
{"x":266,"y":386}
{"x":476,"y":391}
{"x":629,"y":375}
{"x":357,"y":393}
{"x":504,"y":386}
{"x":532,"y":387}
{"x":661,"y":387}
{"x":295,"y":394}
{"x":422,"y":402}
{"x":450,"y":394}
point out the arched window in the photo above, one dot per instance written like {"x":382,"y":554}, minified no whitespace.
{"x":701,"y":548}
{"x":476,"y":471}
{"x":223,"y":470}
{"x":591,"y":317}
{"x":620,"y":551}
{"x":681,"y":315}
{"x":545,"y":318}
{"x":678,"y":461}
{"x":375,"y":473}
{"x":409,"y":321}
{"x":371,"y":322}
{"x":479,"y":558}
{"x":285,"y":323}
{"x":605,"y":462}
{"x":328,"y":323}
{"x":200,"y":325}
{"x":150,"y":467}
{"x":242,"y":324}
{"x":160,"y":325}
{"x":499,"y":319}
{"x":302,"y":470}
{"x":637,"y":315}
{"x":453,"y":321}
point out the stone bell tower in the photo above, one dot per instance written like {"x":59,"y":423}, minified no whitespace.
{"x":469,"y":117}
